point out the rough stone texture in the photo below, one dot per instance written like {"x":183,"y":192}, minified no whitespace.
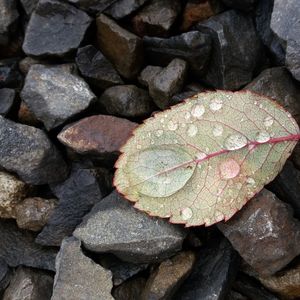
{"x":166,"y":279}
{"x":148,"y":74}
{"x":5,"y":275}
{"x":259,"y":233}
{"x":236,"y":49}
{"x":115,"y":226}
{"x":29,"y":284}
{"x":26,"y":63}
{"x":212,"y":275}
{"x":245,"y":5}
{"x":54,"y":95}
{"x":278,"y":84}
{"x":28,"y":152}
{"x":8,"y":19}
{"x":77,"y":195}
{"x":78,"y":277}
{"x":9,"y":74}
{"x":126,"y":101}
{"x":33,"y":213}
{"x":128,"y":56}
{"x":193,"y":47}
{"x":285,"y":24}
{"x":29,"y":5}
{"x":233,"y":295}
{"x":156,"y":18}
{"x":93,"y":6}
{"x":61,"y":34}
{"x":7,"y":97}
{"x":12,"y":191}
{"x":123,"y":8}
{"x":168,"y":82}
{"x":25,"y":116}
{"x":96,"y":68}
{"x":99,"y":134}
{"x":131,"y":289}
{"x":18,"y":248}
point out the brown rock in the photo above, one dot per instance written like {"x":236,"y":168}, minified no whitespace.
{"x":12,"y":191}
{"x":131,"y":289}
{"x":166,"y":279}
{"x":25,"y":116}
{"x":33,"y":213}
{"x":99,"y":134}
{"x":27,"y":62}
{"x":121,"y":47}
{"x":264,"y":233}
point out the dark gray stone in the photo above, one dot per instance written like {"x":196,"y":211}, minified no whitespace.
{"x":5,"y":275}
{"x":168,"y":82}
{"x":77,"y":195}
{"x":78,"y":277}
{"x":148,"y":74}
{"x":7,"y":97}
{"x":10,"y":76}
{"x":131,"y":289}
{"x":30,"y":284}
{"x":29,"y":6}
{"x":96,"y":69}
{"x":236,"y":49}
{"x":212,"y":275}
{"x":28,"y":152}
{"x":54,"y":95}
{"x":126,"y":101}
{"x":115,"y":226}
{"x":55,"y":29}
{"x":245,"y":5}
{"x":18,"y":248}
{"x":93,"y":6}
{"x":194,"y":47}
{"x":177,"y":98}
{"x":123,"y":8}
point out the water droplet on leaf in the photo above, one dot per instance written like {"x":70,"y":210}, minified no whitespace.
{"x":192,"y":130}
{"x":198,"y":110}
{"x":201,"y":155}
{"x":250,"y":181}
{"x":268,"y":121}
{"x":159,"y":132}
{"x":172,"y":126}
{"x":218,"y":130}
{"x":186,"y":213}
{"x":216,"y":104}
{"x":229,"y":168}
{"x":235,"y":141}
{"x":262,"y":136}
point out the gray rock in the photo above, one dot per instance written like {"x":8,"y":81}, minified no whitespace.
{"x":259,"y":233}
{"x":8,"y":18}
{"x":123,"y":8}
{"x":54,"y":95}
{"x":168,"y":82}
{"x":236,"y":49}
{"x":96,"y":69}
{"x":5,"y":275}
{"x":29,"y":6}
{"x":78,"y":277}
{"x":18,"y":248}
{"x":115,"y":226}
{"x":126,"y":101}
{"x":128,"y":56}
{"x":193,"y":46}
{"x":77,"y":195}
{"x":93,"y":6}
{"x":177,"y":98}
{"x":148,"y":74}
{"x":55,"y":29}
{"x":10,"y":76}
{"x":245,"y":5}
{"x":278,"y":84}
{"x":30,"y":284}
{"x":7,"y":97}
{"x":28,"y":152}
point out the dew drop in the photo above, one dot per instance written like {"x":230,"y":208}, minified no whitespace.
{"x":260,"y":106}
{"x":192,"y":130}
{"x":159,"y":132}
{"x":186,"y":213}
{"x":172,"y":126}
{"x":229,"y":168}
{"x":201,"y":155}
{"x":198,"y":111}
{"x":218,"y":130}
{"x":187,"y":116}
{"x":235,"y":141}
{"x":250,"y":181}
{"x":138,"y":146}
{"x":268,"y":121}
{"x":262,"y":136}
{"x":216,"y":104}
{"x":167,"y":180}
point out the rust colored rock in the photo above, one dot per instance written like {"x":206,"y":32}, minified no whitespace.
{"x":33,"y":213}
{"x":99,"y":134}
{"x":25,"y":116}
{"x":264,"y":233}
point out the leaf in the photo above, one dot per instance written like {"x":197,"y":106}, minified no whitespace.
{"x":201,"y":161}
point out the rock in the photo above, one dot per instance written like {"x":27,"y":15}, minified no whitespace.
{"x":29,"y":6}
{"x":28,"y":152}
{"x":18,"y":248}
{"x":148,"y":74}
{"x":131,"y":289}
{"x":54,"y":95}
{"x":296,"y":156}
{"x":168,"y":82}
{"x":244,"y":5}
{"x":33,"y":213}
{"x":213,"y":273}
{"x":285,"y":24}
{"x":29,"y":284}
{"x":77,"y":195}
{"x":193,"y":47}
{"x":7,"y":97}
{"x":156,"y":18}
{"x":93,"y":6}
{"x":96,"y":68}
{"x":100,"y":135}
{"x":166,"y":279}
{"x":78,"y":277}
{"x":12,"y":191}
{"x":55,"y":29}
{"x":128,"y":56}
{"x":10,"y":76}
{"x":5,"y":275}
{"x":233,"y":295}
{"x":8,"y":20}
{"x":126,"y":101}
{"x":26,"y":63}
{"x":123,"y":8}
{"x":177,"y":98}
{"x":258,"y":232}
{"x":236,"y":50}
{"x":25,"y":116}
{"x":278,"y":84}
{"x":114,"y":226}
